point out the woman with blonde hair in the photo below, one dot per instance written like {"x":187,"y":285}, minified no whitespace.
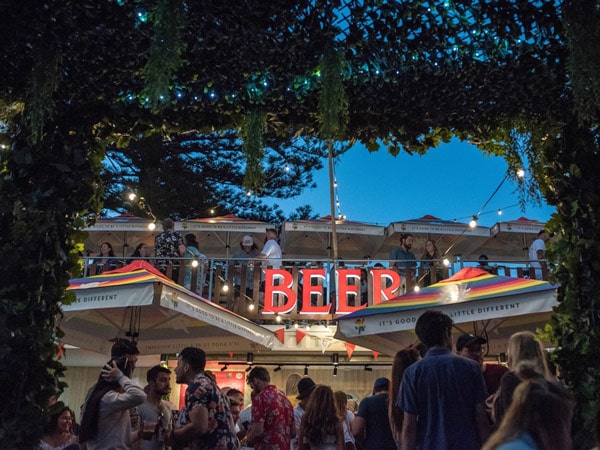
{"x":346,"y":416}
{"x":522,"y":348}
{"x":321,"y":428}
{"x":291,"y":387}
{"x":539,"y":418}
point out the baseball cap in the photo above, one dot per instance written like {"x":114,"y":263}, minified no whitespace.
{"x":247,"y":241}
{"x":466,"y":340}
{"x":305,"y":387}
{"x":381,"y":383}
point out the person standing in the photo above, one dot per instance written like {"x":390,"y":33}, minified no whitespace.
{"x":442,"y":395}
{"x":320,"y":427}
{"x":305,"y":387}
{"x":471,"y":346}
{"x":106,"y":422}
{"x":403,"y":359}
{"x":403,"y":259}
{"x":272,"y":425}
{"x":155,"y":410}
{"x":537,"y":254}
{"x":205,"y":420}
{"x":193,"y":253}
{"x":58,"y":431}
{"x":371,"y":421}
{"x":271,"y":252}
{"x":169,"y":244}
{"x":242,"y":260}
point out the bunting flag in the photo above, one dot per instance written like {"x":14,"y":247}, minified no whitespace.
{"x":349,"y":349}
{"x":231,"y":354}
{"x":375,"y":354}
{"x":299,"y":336}
{"x":60,"y":351}
{"x":280,"y":335}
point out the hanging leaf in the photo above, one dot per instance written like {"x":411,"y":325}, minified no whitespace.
{"x":253,"y":134}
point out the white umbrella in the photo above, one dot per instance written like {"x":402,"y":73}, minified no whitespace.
{"x":451,"y":238}
{"x":510,"y":240}
{"x":139,"y":300}
{"x":476,"y":301}
{"x":313,"y":239}
{"x":219,"y":237}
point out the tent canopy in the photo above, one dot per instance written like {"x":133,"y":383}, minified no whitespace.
{"x":510,"y":240}
{"x":313,"y":239}
{"x":168,"y":317}
{"x":451,"y":238}
{"x":476,"y":301}
{"x":220,"y":237}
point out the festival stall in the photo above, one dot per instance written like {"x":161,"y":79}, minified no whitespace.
{"x":219,"y":237}
{"x":139,"y":303}
{"x":510,"y":240}
{"x":451,"y":238}
{"x":313,"y":239}
{"x":478,"y":302}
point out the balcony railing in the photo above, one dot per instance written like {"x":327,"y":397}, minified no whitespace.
{"x":241,"y":287}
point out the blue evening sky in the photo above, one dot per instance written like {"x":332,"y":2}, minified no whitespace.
{"x":451,"y":182}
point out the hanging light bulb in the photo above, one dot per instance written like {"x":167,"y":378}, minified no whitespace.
{"x":151,"y":226}
{"x":473,"y":222}
{"x":131,"y":196}
{"x":278,"y":318}
{"x":251,"y":306}
{"x":520,"y":173}
{"x":195,"y":263}
{"x":287,"y":168}
{"x":446,"y":262}
{"x":499,"y":212}
{"x":417,"y":288}
{"x":225,"y":288}
{"x":296,"y":326}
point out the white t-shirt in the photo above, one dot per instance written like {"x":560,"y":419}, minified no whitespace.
{"x":538,"y":244}
{"x":272,"y":250}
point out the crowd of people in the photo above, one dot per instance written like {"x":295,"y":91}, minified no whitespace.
{"x":438,"y":396}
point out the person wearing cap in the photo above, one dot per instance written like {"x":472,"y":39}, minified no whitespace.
{"x":272,"y":414}
{"x":271,"y":252}
{"x":442,"y":395}
{"x":106,"y":422}
{"x":537,"y":255}
{"x":471,"y":346}
{"x":241,"y":259}
{"x":169,"y":244}
{"x":371,"y":425}
{"x":305,"y":387}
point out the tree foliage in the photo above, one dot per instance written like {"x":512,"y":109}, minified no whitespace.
{"x":192,"y":175}
{"x":517,"y":78}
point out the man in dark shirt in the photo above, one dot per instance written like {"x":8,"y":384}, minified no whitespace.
{"x":372,"y":422}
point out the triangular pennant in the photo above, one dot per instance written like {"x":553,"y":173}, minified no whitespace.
{"x":60,"y":350}
{"x":231,"y":354}
{"x":299,"y":336}
{"x":375,"y":354}
{"x":280,"y":335}
{"x":349,"y":349}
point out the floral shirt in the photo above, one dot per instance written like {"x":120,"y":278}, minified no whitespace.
{"x":166,"y":245}
{"x":220,"y":435}
{"x":273,"y":409}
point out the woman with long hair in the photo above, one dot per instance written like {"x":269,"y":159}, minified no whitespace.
{"x":291,"y":387}
{"x":106,"y":421}
{"x":430,"y":262}
{"x":522,"y":348}
{"x":346,"y":416}
{"x":58,"y":431}
{"x":321,"y":428}
{"x":539,"y":418}
{"x":402,"y":360}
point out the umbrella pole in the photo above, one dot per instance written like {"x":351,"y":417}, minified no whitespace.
{"x":332,"y":199}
